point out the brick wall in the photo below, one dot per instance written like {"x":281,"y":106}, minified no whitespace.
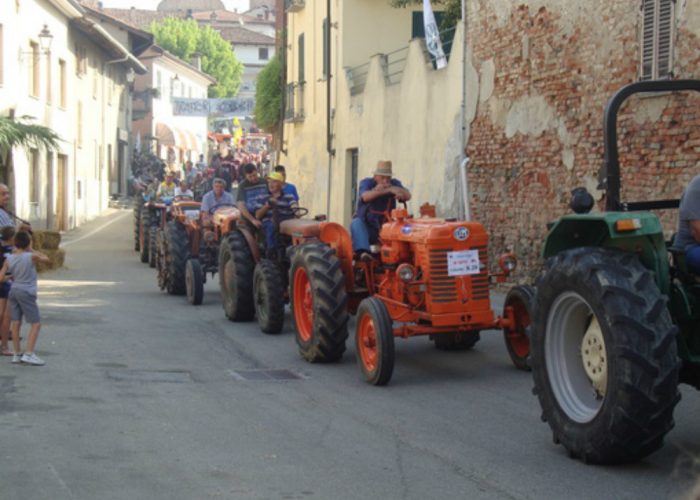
{"x":538,"y":133}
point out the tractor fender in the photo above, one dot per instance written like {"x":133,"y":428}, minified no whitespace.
{"x":252,"y":242}
{"x":338,"y":238}
{"x":635,"y":232}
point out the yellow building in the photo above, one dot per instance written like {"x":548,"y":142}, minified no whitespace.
{"x":372,"y":93}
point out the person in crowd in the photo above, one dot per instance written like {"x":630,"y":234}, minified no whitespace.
{"x":184,"y":189}
{"x":377,"y":196}
{"x":287,"y":187}
{"x":201,"y":164}
{"x":688,"y":234}
{"x":6,"y":217}
{"x":248,"y":192}
{"x":214,"y":199}
{"x":21,"y":264}
{"x":7,"y":236}
{"x":199,"y":187}
{"x":167,"y":187}
{"x":273,"y":207}
{"x":190,"y":172}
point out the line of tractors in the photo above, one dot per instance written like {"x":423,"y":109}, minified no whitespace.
{"x":609,"y":330}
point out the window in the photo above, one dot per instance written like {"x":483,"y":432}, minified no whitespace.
{"x":301,"y":59}
{"x":657,"y":39}
{"x":326,"y":47}
{"x":79,"y":132}
{"x":62,"y":98}
{"x":34,"y":179}
{"x":159,"y":83}
{"x":34,"y":69}
{"x":263,"y":53}
{"x":2,"y":62}
{"x":80,"y":60}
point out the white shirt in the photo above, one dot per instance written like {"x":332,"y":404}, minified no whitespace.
{"x":179,"y":192}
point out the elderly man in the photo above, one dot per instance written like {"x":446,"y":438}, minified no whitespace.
{"x":7,"y":219}
{"x":377,"y":197}
{"x":167,"y":187}
{"x":274,"y":207}
{"x":688,"y":235}
{"x":214,"y":199}
{"x":248,"y":192}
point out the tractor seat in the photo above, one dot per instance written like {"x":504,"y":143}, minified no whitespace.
{"x":225,"y":213}
{"x":301,"y":228}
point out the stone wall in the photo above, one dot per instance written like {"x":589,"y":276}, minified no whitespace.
{"x":546,"y":70}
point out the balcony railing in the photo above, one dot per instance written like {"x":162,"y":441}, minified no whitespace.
{"x":294,"y":5}
{"x":294,"y":111}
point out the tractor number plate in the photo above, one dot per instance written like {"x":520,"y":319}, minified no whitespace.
{"x":463,"y":262}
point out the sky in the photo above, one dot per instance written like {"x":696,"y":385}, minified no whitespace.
{"x":241,"y":5}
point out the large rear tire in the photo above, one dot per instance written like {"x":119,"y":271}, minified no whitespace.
{"x":236,"y":267}
{"x":318,"y":303}
{"x":520,"y":298}
{"x":144,"y":234}
{"x":178,"y":246}
{"x":268,"y":290}
{"x":194,"y":282}
{"x":374,"y":342}
{"x":604,"y":356}
{"x":152,"y":247}
{"x":138,"y":207}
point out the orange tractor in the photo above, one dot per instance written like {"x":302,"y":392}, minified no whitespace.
{"x":189,"y":247}
{"x":429,"y":277}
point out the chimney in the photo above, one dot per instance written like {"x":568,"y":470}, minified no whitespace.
{"x":197,"y":60}
{"x":100,"y":5}
{"x":132,"y":12}
{"x":189,"y":13}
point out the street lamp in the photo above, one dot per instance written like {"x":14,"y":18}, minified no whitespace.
{"x":45,"y":39}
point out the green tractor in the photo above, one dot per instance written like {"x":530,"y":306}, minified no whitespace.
{"x":616,"y":318}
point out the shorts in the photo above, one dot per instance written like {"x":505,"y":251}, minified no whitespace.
{"x":5,"y":289}
{"x":23,"y":304}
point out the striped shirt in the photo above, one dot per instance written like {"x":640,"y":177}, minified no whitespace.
{"x":5,"y":219}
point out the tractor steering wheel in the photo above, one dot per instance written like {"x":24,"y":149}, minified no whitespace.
{"x":299,"y":211}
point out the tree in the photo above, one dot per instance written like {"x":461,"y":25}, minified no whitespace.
{"x":268,"y":95}
{"x":184,"y":37}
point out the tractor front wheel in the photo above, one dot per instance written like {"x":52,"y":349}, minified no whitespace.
{"x":152,"y":247}
{"x":268,"y":290}
{"x":520,"y":299}
{"x":194,"y":282}
{"x":374,"y":342}
{"x":236,"y":267}
{"x":138,"y":208}
{"x":144,"y":234}
{"x":318,"y":303}
{"x":178,"y":245}
{"x":604,"y":356}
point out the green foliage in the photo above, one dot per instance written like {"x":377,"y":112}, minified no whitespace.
{"x":268,"y":95}
{"x":452,"y":9}
{"x":184,"y":37}
{"x":22,"y":133}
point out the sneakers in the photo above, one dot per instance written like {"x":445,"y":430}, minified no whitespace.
{"x":16,"y":358}
{"x":32,"y":359}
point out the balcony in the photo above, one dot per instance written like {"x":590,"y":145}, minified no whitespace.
{"x":294,"y":5}
{"x":294,"y":103}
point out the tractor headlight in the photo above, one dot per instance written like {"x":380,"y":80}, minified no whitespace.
{"x":406,"y":272}
{"x":508,"y":263}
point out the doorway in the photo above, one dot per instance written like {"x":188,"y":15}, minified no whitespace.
{"x":61,"y":169}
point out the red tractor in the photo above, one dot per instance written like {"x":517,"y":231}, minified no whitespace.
{"x":189,"y":247}
{"x":429,"y":276}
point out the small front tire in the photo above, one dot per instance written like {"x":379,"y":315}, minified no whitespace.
{"x":194,"y":282}
{"x":374,"y":342}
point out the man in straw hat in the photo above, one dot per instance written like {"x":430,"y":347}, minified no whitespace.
{"x":377,"y":196}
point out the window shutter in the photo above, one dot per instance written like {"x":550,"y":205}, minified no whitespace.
{"x":326,"y":48}
{"x":648,"y":12}
{"x":665,"y":37}
{"x":657,"y":39}
{"x":301,"y":59}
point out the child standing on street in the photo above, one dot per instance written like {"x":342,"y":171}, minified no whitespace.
{"x":22,"y":297}
{"x":7,"y":235}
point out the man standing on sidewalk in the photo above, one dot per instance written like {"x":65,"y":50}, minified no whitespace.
{"x":5,"y":218}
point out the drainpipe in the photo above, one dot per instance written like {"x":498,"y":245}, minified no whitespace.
{"x":329,"y":133}
{"x":463,"y":173}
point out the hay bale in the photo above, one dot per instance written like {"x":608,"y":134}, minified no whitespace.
{"x":51,"y":240}
{"x":37,"y":239}
{"x":57,"y":258}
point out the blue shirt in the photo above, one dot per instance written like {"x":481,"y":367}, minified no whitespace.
{"x":372,"y":212}
{"x":284,"y":206}
{"x":5,"y":219}
{"x":249,"y":193}
{"x":210,"y":202}
{"x":290,"y":189}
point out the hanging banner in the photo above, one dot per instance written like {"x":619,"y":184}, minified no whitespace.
{"x":432,"y":36}
{"x":227,"y":108}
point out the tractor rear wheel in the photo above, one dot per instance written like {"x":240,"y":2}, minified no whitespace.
{"x":318,"y":303}
{"x":520,"y":299}
{"x":456,"y":341}
{"x":268,"y":290}
{"x":236,"y":267}
{"x":194,"y":282}
{"x":138,"y":207}
{"x":178,"y":253}
{"x":144,"y":235}
{"x":374,"y":341}
{"x":604,"y":356}
{"x":161,"y":259}
{"x":152,"y":247}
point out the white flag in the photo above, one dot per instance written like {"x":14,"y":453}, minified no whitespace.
{"x":432,"y":35}
{"x":137,"y":146}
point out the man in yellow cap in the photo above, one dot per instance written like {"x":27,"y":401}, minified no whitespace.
{"x":274,"y":207}
{"x":377,"y":196}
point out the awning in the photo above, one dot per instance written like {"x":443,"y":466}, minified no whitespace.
{"x":175,"y":137}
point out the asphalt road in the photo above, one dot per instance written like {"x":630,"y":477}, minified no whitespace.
{"x":146,"y":397}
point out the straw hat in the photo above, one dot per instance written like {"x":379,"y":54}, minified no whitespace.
{"x":383,"y":168}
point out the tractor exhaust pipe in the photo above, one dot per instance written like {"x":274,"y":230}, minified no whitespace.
{"x":465,"y":188}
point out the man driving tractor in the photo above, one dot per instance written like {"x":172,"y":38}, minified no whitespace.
{"x":377,"y":198}
{"x":214,"y":199}
{"x":274,"y":207}
{"x":248,"y":192}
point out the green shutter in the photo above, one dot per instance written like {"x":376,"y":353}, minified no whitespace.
{"x":302,"y":77}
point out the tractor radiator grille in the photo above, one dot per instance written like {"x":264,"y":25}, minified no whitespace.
{"x":444,"y":287}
